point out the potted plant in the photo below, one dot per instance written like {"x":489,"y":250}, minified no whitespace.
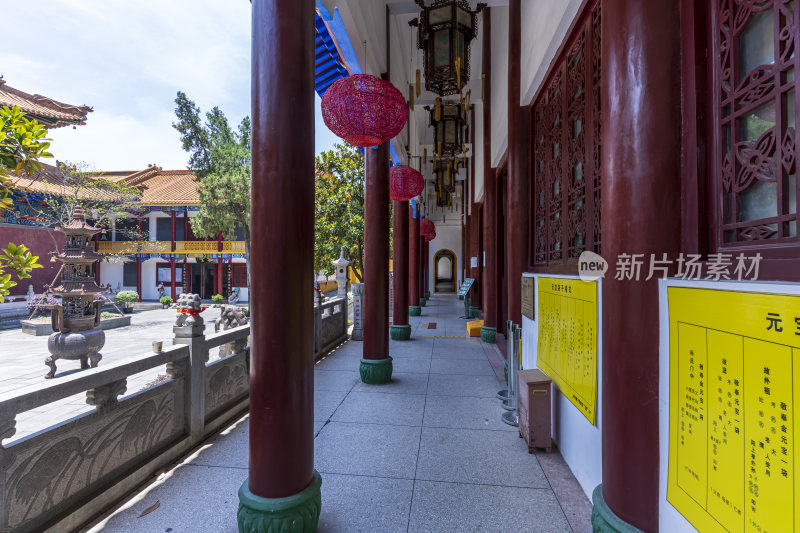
{"x":217,"y":299}
{"x":124,"y":299}
{"x":166,"y":301}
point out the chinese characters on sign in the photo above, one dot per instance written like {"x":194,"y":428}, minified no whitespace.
{"x":732,"y":410}
{"x":528,"y":304}
{"x":567,"y":350}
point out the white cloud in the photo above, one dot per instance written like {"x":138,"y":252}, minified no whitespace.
{"x":128,"y":59}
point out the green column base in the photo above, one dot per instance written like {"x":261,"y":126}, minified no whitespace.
{"x":297,"y":513}
{"x":376,"y":371}
{"x":460,"y":296}
{"x":414,"y":310}
{"x":473,"y":312}
{"x":400,"y":333}
{"x":604,"y":520}
{"x":422,"y":302}
{"x":427,"y":294}
{"x":488,"y":333}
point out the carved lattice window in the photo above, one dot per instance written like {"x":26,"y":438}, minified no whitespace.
{"x":755,"y":109}
{"x":566,"y":151}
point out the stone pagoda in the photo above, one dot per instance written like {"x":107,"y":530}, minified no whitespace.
{"x":75,"y":335}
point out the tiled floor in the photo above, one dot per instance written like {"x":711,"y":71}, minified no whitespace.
{"x":427,"y":452}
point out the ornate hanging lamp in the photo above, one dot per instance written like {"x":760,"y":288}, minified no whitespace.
{"x":447,"y":120}
{"x":405,"y":183}
{"x":364,"y":110}
{"x":446,"y":28}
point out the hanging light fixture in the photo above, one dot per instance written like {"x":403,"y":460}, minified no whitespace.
{"x":447,"y":120}
{"x":364,"y":110}
{"x":426,"y":226}
{"x":405,"y":183}
{"x":446,"y":28}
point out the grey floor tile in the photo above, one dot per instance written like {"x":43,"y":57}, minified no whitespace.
{"x":456,"y":352}
{"x":462,"y":507}
{"x":225,"y":448}
{"x":464,"y":412}
{"x":402,"y":383}
{"x":478,"y":456}
{"x":326,"y":402}
{"x":461,"y":366}
{"x":463,"y":385}
{"x":376,"y":407}
{"x":367,"y":449}
{"x":368,"y":504}
{"x":403,"y":365}
{"x":335,"y":380}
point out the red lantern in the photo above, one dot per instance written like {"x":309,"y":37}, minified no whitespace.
{"x":426,"y":227}
{"x":364,"y":110}
{"x":405,"y":182}
{"x":430,"y":236}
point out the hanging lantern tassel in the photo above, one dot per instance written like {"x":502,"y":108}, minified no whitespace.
{"x":458,"y":72}
{"x":418,"y":82}
{"x":469,"y":95}
{"x":411,"y":97}
{"x":438,"y":110}
{"x":425,"y":155}
{"x":439,"y":149}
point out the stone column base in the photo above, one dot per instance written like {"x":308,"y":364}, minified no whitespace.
{"x":376,"y":371}
{"x":488,"y":333}
{"x":473,"y":312}
{"x":422,"y":302}
{"x":299,"y":512}
{"x":399,"y":332}
{"x":604,"y":520}
{"x":414,"y":310}
{"x":427,"y":294}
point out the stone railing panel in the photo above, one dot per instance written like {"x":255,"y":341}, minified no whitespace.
{"x":228,"y":377}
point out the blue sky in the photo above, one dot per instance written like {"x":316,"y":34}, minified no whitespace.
{"x":127,"y":59}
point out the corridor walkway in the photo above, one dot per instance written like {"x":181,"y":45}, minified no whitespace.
{"x":427,"y":452}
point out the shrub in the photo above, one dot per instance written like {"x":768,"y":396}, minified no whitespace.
{"x":125,"y":297}
{"x":217,"y":299}
{"x":41,"y":300}
{"x":165,"y":300}
{"x":246,"y":311}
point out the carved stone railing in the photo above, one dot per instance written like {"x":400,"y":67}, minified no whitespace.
{"x":62,"y":476}
{"x":330,"y":324}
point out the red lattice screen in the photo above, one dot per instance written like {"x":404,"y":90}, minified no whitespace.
{"x":566,"y":149}
{"x":754,"y":110}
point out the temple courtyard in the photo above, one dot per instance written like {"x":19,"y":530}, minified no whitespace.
{"x":426,"y":452}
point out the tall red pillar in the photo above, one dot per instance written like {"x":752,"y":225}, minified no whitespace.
{"x":490,"y":288}
{"x":518,"y":202}
{"x":376,"y":365}
{"x":423,"y":275}
{"x":139,"y":277}
{"x":400,"y":329}
{"x":282,"y":258}
{"x":641,"y":162}
{"x":413,"y":263}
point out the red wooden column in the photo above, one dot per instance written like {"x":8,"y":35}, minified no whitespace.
{"x":376,"y":365}
{"x":282,"y":479}
{"x":490,"y":288}
{"x":641,"y":129}
{"x":518,"y":201}
{"x":400,"y":329}
{"x":218,"y":276}
{"x":422,"y":271}
{"x":139,"y":277}
{"x":414,"y":308}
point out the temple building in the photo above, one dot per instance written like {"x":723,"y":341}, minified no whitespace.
{"x":48,"y":112}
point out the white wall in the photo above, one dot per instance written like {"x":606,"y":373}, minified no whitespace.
{"x":499,"y":98}
{"x":447,"y":237}
{"x":149,"y":291}
{"x":544,"y":26}
{"x":477,"y":152}
{"x":579,"y":441}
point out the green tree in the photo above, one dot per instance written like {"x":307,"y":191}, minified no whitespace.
{"x":22,"y":143}
{"x":339,"y":208}
{"x":220,"y":157}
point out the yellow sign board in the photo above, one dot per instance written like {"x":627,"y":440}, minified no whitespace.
{"x":734,"y":391}
{"x":567,"y":350}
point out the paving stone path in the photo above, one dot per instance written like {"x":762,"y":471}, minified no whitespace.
{"x":427,"y":452}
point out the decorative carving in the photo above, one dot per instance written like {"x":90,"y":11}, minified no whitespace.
{"x":566,"y":148}
{"x":753,"y":142}
{"x":226,"y":382}
{"x":232,"y":316}
{"x":189,"y":308}
{"x":106,"y":395}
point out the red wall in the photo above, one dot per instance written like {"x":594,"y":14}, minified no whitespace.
{"x":39,"y":242}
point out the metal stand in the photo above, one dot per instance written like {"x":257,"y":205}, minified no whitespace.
{"x":502,"y":394}
{"x":513,"y":349}
{"x":466,"y":306}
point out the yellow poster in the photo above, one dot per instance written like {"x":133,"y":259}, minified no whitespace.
{"x":567,"y":350}
{"x":733,"y":386}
